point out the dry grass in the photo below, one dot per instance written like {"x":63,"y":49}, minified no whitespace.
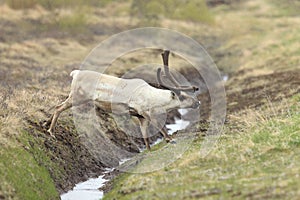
{"x":250,"y":117}
{"x":264,"y":40}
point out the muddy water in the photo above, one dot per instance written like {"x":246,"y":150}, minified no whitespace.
{"x":89,"y":190}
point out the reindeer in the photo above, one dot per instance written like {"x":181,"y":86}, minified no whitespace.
{"x":144,"y":102}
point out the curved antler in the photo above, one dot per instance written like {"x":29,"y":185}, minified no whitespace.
{"x":177,"y":88}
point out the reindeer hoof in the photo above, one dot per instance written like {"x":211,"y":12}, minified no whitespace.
{"x":172,"y":142}
{"x":168,"y":139}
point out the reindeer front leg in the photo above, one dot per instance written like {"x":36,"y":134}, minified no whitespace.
{"x":144,"y":125}
{"x":164,"y":132}
{"x":158,"y":120}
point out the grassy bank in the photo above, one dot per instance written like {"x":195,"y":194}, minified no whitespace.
{"x":258,"y":158}
{"x":22,"y":177}
{"x":24,"y":163}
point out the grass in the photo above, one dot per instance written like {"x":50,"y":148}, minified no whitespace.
{"x":22,"y":177}
{"x":262,"y":39}
{"x":54,"y":4}
{"x":72,"y":22}
{"x":68,"y":16}
{"x":151,"y":12}
{"x":26,"y":169}
{"x":262,"y":161}
{"x":287,"y":8}
{"x":81,"y":17}
{"x":195,"y":11}
{"x":21,"y":4}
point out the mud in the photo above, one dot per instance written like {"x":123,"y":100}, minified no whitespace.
{"x":255,"y":91}
{"x":67,"y":151}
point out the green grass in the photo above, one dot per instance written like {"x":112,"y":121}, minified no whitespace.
{"x":195,"y":11}
{"x":262,"y":161}
{"x":25,"y":176}
{"x":25,"y":170}
{"x":76,"y":21}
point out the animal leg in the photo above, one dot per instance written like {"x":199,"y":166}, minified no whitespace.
{"x":59,"y":109}
{"x":144,"y":124}
{"x":164,"y":132}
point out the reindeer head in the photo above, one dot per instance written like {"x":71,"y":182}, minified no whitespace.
{"x":185,"y":94}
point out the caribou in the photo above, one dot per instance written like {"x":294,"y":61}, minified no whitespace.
{"x":135,"y":96}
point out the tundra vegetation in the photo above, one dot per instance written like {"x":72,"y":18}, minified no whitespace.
{"x":255,"y":42}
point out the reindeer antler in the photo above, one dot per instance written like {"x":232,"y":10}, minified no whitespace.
{"x":177,"y":88}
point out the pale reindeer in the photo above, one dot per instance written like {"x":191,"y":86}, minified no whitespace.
{"x":143,"y":102}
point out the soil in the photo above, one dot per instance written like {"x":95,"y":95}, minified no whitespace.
{"x":255,"y":91}
{"x":67,"y":150}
